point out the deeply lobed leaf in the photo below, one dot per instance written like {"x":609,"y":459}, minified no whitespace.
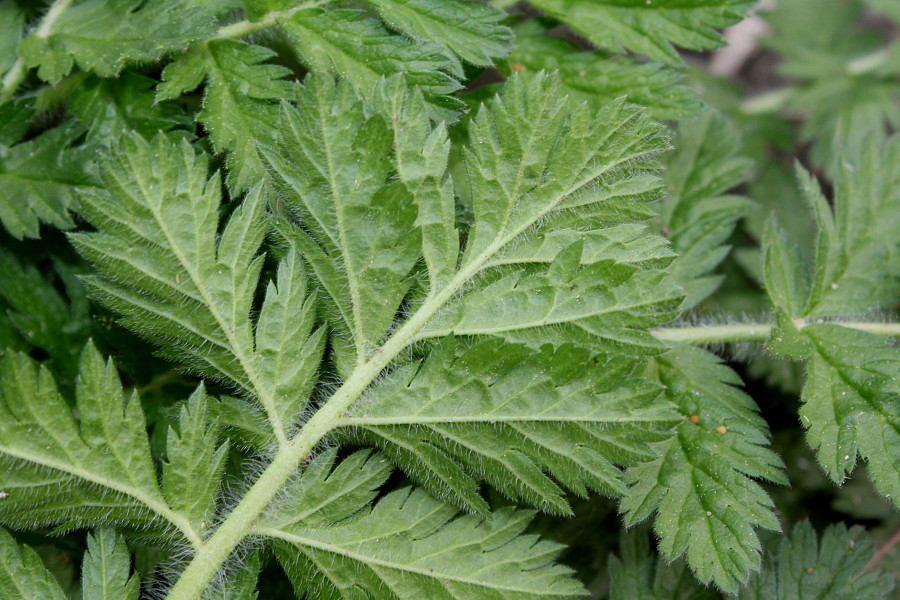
{"x":103,"y":35}
{"x":408,"y":545}
{"x":702,"y":484}
{"x":179,"y":283}
{"x":66,"y":473}
{"x":508,"y":413}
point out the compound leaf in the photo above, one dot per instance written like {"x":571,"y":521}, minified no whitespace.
{"x":69,"y":474}
{"x":38,"y":181}
{"x":649,"y":28}
{"x":239,"y":101}
{"x":106,"y":107}
{"x":638,"y":573}
{"x":697,"y":215}
{"x":598,"y":77}
{"x":23,"y":575}
{"x":103,"y":35}
{"x":179,"y":283}
{"x":352,"y":45}
{"x":803,"y":567}
{"x":361,"y":240}
{"x":851,"y":399}
{"x":470,"y":29}
{"x":798,"y":566}
{"x":702,"y":484}
{"x":408,"y":545}
{"x":510,"y":415}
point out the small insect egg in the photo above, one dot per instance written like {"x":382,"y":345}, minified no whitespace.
{"x":721,"y":429}
{"x":695,"y":419}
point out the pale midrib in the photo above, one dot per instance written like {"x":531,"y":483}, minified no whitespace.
{"x":355,"y":297}
{"x":262,"y":393}
{"x":449,"y":419}
{"x":159,"y":508}
{"x":340,"y":551}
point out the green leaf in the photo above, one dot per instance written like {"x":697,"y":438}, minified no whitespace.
{"x":638,"y":573}
{"x":856,"y":254}
{"x":239,"y":101}
{"x":38,"y":181}
{"x":598,"y":77}
{"x":514,"y":417}
{"x":470,"y":29}
{"x":649,"y":28}
{"x":805,"y":568}
{"x":851,"y":400}
{"x":12,"y":28}
{"x":107,"y":107}
{"x":59,"y":472}
{"x":702,"y":485}
{"x":192,"y":472}
{"x":189,"y":288}
{"x":408,"y":545}
{"x":256,"y":9}
{"x":797,"y":567}
{"x":103,"y":35}
{"x":106,"y":566}
{"x":697,"y":215}
{"x":604,"y":305}
{"x":43,"y":316}
{"x":23,"y":575}
{"x":527,"y":182}
{"x":15,"y":118}
{"x":786,"y":278}
{"x":420,"y":159}
{"x":350,"y":44}
{"x":361,"y":242}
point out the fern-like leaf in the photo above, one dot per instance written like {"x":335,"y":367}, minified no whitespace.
{"x":697,"y":215}
{"x":467,"y":28}
{"x":408,"y":545}
{"x":105,"y":571}
{"x":510,"y":414}
{"x":598,"y":77}
{"x":103,"y":35}
{"x":239,"y":101}
{"x":851,"y":396}
{"x":702,"y":483}
{"x":191,"y":289}
{"x":39,"y":179}
{"x":59,"y":472}
{"x":23,"y":575}
{"x":649,"y":28}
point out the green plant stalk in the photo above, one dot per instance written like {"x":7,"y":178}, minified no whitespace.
{"x":754,"y":332}
{"x":16,"y":74}
{"x":243,"y":28}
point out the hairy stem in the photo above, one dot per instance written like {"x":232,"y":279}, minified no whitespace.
{"x":753,"y":332}
{"x":16,"y":74}
{"x":244,"y":28}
